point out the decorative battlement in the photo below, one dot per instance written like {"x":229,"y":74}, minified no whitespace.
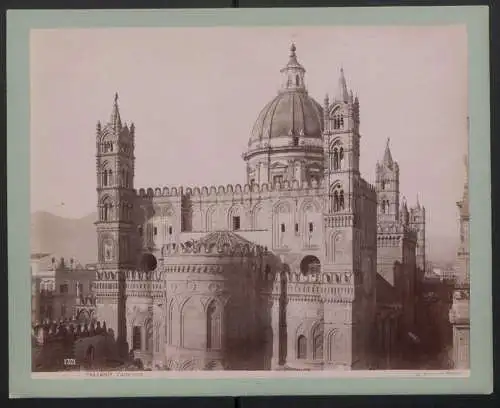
{"x":65,"y":264}
{"x":221,"y":243}
{"x":221,"y":191}
{"x":67,"y":330}
{"x":346,"y":278}
{"x":137,"y":275}
{"x":197,"y":248}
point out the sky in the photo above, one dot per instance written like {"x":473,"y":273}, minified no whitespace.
{"x":195,"y":93}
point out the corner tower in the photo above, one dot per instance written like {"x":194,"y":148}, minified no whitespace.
{"x":387,"y":183}
{"x":115,"y":226}
{"x":417,"y":222}
{"x":350,"y":227}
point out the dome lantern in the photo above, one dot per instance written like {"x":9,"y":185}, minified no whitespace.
{"x":293,"y":73}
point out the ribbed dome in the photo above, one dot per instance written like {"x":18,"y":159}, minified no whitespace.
{"x":290,"y":113}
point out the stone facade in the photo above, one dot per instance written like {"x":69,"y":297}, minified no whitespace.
{"x":61,"y":288}
{"x":277,"y":273}
{"x":459,"y":313}
{"x":400,"y":251}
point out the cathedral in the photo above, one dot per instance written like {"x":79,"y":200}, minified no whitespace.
{"x":303,"y":266}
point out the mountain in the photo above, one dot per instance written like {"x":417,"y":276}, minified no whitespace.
{"x":65,"y":237}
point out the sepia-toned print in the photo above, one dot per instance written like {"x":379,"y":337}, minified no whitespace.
{"x":201,"y":202}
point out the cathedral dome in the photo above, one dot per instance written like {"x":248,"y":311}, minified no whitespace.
{"x":292,"y":113}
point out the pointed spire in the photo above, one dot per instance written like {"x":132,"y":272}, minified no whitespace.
{"x":326,"y":102}
{"x":387,"y":154}
{"x":418,"y":202}
{"x":342,"y":93}
{"x":115,"y":119}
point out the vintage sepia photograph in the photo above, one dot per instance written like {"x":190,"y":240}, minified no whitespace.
{"x":251,"y":199}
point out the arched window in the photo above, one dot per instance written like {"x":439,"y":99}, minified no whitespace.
{"x":106,"y":207}
{"x":136,"y":338}
{"x":297,"y":80}
{"x":341,"y":200}
{"x":382,"y":207}
{"x":387,"y":206}
{"x":318,"y":343}
{"x":335,"y":201}
{"x":302,"y":347}
{"x":105,"y":178}
{"x":213,"y":327}
{"x":341,"y":157}
{"x":338,"y":121}
{"x":335,"y":159}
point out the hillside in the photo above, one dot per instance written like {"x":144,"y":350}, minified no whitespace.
{"x":65,"y":237}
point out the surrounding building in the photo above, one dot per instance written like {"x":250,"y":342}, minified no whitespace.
{"x":459,"y":313}
{"x":277,"y":273}
{"x":61,"y":289}
{"x":400,"y":243}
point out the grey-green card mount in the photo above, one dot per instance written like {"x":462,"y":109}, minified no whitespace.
{"x":249,"y":202}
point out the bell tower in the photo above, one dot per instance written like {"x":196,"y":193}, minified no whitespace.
{"x":387,"y":184}
{"x":341,"y":146}
{"x":115,"y":224}
{"x":349,"y":228}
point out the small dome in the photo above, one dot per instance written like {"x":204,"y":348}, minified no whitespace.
{"x":292,"y":112}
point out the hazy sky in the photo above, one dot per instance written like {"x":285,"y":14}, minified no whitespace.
{"x":194,"y":95}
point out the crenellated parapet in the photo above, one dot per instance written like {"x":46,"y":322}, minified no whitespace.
{"x":129,"y":275}
{"x":230,"y":190}
{"x":197,"y":248}
{"x":67,"y":264}
{"x":67,"y":330}
{"x":394,"y":233}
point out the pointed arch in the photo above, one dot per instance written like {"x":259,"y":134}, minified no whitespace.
{"x":106,"y":208}
{"x":317,"y":341}
{"x":258,"y":213}
{"x":214,"y":329}
{"x":235,"y":217}
{"x":337,"y":198}
{"x":211,"y":219}
{"x":282,"y":220}
{"x":191,"y":313}
{"x":301,"y":347}
{"x":172,"y":329}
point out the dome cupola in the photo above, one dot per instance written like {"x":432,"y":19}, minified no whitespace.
{"x":288,"y":130}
